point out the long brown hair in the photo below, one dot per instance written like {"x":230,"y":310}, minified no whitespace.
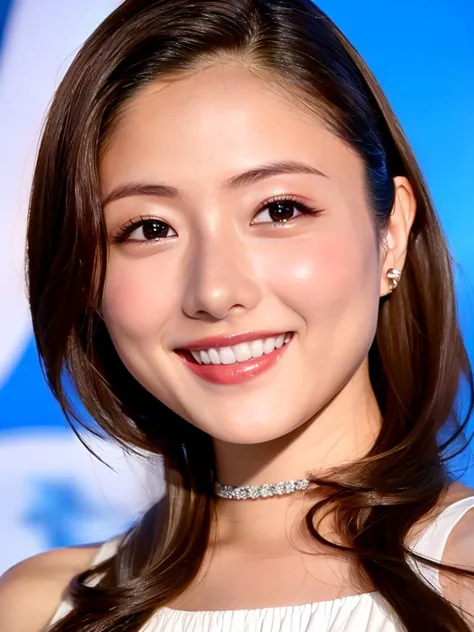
{"x":417,"y":361}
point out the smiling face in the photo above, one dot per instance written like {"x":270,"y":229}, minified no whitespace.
{"x":286,"y":253}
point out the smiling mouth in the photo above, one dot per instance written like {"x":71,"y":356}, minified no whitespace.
{"x":234,"y":364}
{"x":239,"y":353}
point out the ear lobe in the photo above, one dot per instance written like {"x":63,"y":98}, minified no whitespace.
{"x":398,"y":229}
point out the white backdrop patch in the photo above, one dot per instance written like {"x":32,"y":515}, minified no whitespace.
{"x":55,"y":493}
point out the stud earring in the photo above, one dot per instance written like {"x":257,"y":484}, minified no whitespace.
{"x":394,"y":275}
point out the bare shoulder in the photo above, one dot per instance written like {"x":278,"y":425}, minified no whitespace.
{"x":30,"y":592}
{"x":454,"y":493}
{"x":459,"y":552}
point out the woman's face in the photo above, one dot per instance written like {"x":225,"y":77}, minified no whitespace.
{"x":234,"y":213}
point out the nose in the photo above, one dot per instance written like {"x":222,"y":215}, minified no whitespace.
{"x":220,"y":279}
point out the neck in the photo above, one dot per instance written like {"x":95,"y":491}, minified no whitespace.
{"x":342,"y":432}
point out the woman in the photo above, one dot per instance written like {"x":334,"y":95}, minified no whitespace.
{"x":233,"y":253}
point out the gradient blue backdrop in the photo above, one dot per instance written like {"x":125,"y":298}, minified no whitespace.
{"x":422,"y":52}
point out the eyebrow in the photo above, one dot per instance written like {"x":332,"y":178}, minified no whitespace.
{"x":238,"y":181}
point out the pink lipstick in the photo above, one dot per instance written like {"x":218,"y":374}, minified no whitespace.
{"x":228,"y":359}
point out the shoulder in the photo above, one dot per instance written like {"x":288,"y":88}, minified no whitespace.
{"x":459,"y":552}
{"x":31,"y":591}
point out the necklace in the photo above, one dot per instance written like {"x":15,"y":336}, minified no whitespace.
{"x":253,"y":492}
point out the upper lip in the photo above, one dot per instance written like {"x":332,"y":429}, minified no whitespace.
{"x":215,"y":342}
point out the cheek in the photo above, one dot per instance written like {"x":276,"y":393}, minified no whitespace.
{"x":328,"y":278}
{"x":132,"y":304}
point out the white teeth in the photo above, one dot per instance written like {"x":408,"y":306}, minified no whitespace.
{"x":227,"y":355}
{"x":280,"y":341}
{"x":205,"y":357}
{"x":269,"y":345}
{"x":214,"y":356}
{"x":256,"y":347}
{"x":241,"y":352}
{"x":197,"y":356}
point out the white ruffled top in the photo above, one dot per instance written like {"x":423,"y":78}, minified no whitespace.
{"x":367,"y":612}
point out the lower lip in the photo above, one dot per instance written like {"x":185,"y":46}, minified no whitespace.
{"x":234,"y":373}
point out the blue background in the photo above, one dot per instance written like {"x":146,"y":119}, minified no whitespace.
{"x":423,"y":55}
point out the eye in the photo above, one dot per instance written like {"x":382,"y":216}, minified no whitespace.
{"x":144,"y":230}
{"x":281,"y":211}
{"x":151,"y":230}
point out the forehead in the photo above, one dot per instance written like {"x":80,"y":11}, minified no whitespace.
{"x":215,"y":122}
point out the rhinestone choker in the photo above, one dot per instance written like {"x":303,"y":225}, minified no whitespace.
{"x":260,"y":491}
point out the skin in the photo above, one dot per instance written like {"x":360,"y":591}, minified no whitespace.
{"x":218,"y":273}
{"x":224,"y":270}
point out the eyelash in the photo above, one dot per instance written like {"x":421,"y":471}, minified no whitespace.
{"x":130,"y":226}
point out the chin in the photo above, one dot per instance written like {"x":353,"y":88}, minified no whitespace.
{"x":242,"y":432}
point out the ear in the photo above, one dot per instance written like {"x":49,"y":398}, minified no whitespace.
{"x":395,"y":242}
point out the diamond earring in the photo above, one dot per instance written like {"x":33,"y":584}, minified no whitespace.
{"x":394,"y":275}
